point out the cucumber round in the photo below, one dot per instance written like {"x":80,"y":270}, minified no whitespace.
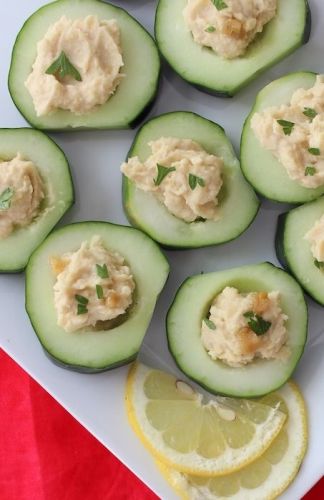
{"x":191,"y":305}
{"x":133,"y":96}
{"x":203,"y":68}
{"x":260,"y":167}
{"x":238,"y":202}
{"x":294,"y":252}
{"x":88,"y":350}
{"x":54,"y":170}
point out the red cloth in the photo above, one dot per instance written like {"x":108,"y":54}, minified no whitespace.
{"x":45,"y":454}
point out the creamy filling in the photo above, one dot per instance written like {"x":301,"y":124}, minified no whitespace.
{"x":315,"y":237}
{"x":244,"y":326}
{"x":228,"y":27}
{"x":182,"y":175}
{"x":93,"y":48}
{"x":93,"y":284}
{"x":294,"y":133}
{"x":21,"y":194}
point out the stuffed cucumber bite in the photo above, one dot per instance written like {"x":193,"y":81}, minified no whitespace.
{"x":220,"y":46}
{"x":83,"y":64}
{"x":282,"y":145}
{"x":182,"y":183}
{"x":238,"y":332}
{"x":89,"y":297}
{"x":300,"y":246}
{"x":35,"y":192}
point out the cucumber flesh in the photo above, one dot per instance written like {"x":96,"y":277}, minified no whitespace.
{"x":239,"y":204}
{"x":133,"y":96}
{"x":202,"y":67}
{"x":53,"y":168}
{"x":88,"y":350}
{"x":266,"y":174}
{"x":294,"y":251}
{"x":191,"y":305}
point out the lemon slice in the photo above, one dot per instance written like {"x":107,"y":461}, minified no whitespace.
{"x":268,"y":476}
{"x":195,"y":434}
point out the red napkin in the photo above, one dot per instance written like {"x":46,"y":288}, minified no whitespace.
{"x":46,"y":454}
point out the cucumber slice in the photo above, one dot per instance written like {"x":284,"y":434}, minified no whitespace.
{"x":89,"y":350}
{"x":134,"y":94}
{"x":260,"y":167}
{"x":53,"y":168}
{"x":294,"y":251}
{"x":190,"y":306}
{"x":239,"y":203}
{"x":202,"y":67}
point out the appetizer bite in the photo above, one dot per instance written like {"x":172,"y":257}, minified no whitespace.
{"x":220,"y":46}
{"x":239,"y":332}
{"x":282,"y":146}
{"x":300,"y":246}
{"x":83,"y":64}
{"x":35,"y":192}
{"x":183,"y":185}
{"x":88,"y":295}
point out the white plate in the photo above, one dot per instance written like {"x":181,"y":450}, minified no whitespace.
{"x":97,"y":401}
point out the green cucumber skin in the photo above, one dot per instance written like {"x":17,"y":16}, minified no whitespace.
{"x":131,"y":125}
{"x":231,"y":93}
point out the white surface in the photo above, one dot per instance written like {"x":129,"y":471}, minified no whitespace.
{"x":97,"y":400}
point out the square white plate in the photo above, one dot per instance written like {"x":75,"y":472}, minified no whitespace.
{"x":97,"y":401}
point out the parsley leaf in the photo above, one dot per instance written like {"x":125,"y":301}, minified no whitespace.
{"x":81,"y":299}
{"x":211,"y":325}
{"x":162,"y":172}
{"x":310,"y":113}
{"x":194,"y":180}
{"x":319,"y":264}
{"x":314,"y":151}
{"x":257,"y":324}
{"x":63,"y":67}
{"x":286,"y":126}
{"x":82,"y":309}
{"x":99,"y":291}
{"x":5,"y":198}
{"x":210,"y":29}
{"x":220,"y":4}
{"x":310,"y":171}
{"x":102,"y":271}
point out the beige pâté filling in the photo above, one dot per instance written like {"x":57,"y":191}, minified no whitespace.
{"x":181,"y":175}
{"x":241,"y":327}
{"x":315,"y":237}
{"x":93,"y":284}
{"x":228,"y":26}
{"x":77,"y":66}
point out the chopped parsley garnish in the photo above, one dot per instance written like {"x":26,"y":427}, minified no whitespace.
{"x":314,"y":151}
{"x":220,"y":4}
{"x":286,"y":126}
{"x":102,"y":271}
{"x":99,"y":291}
{"x":162,"y":172}
{"x":319,"y":264}
{"x":82,"y":303}
{"x":82,"y":309}
{"x":63,"y":67}
{"x":211,"y":325}
{"x":5,"y":198}
{"x":310,"y":171}
{"x":310,"y":113}
{"x":257,"y":324}
{"x":194,"y":180}
{"x":210,"y":29}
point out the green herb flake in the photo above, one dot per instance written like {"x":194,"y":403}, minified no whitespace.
{"x":286,"y":126}
{"x":314,"y":151}
{"x":102,"y":271}
{"x":211,"y":325}
{"x":162,"y":172}
{"x":99,"y":291}
{"x":194,"y":180}
{"x":220,"y":4}
{"x":63,"y":67}
{"x":319,"y":264}
{"x":210,"y":29}
{"x":257,"y":324}
{"x":82,"y":309}
{"x":81,"y":299}
{"x":310,"y":171}
{"x":310,"y":113}
{"x":5,"y":198}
